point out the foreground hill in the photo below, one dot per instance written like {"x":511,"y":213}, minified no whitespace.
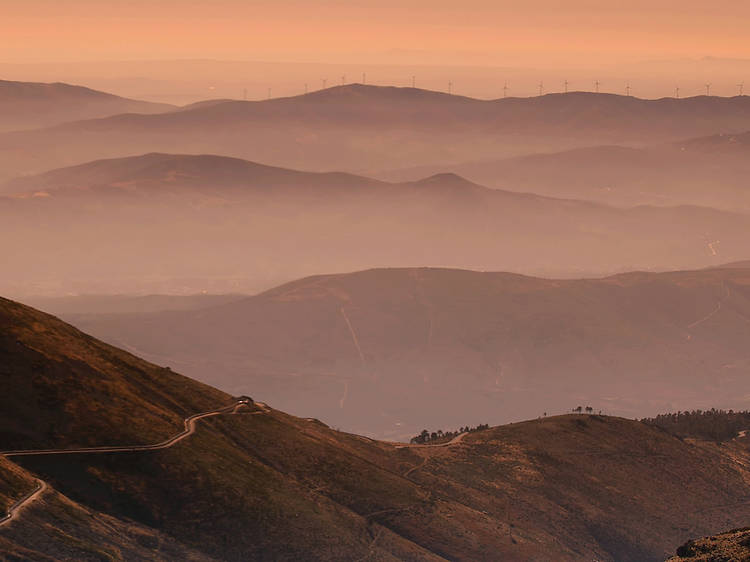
{"x":710,"y":171}
{"x":729,"y":546}
{"x":31,"y":105}
{"x":359,"y":127}
{"x":260,"y":484}
{"x":184,"y":223}
{"x":390,"y":351}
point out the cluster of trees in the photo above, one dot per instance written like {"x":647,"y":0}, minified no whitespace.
{"x":579,"y":409}
{"x":715,"y":425}
{"x":440,"y":436}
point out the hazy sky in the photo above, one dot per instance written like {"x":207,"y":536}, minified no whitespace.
{"x":473,"y":31}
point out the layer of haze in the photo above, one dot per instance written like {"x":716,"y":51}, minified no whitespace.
{"x":488,"y":31}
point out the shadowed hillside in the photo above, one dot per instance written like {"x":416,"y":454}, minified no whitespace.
{"x":260,"y":483}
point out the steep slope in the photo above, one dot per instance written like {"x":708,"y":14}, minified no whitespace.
{"x":31,"y":105}
{"x":54,"y":371}
{"x":260,"y":484}
{"x":388,"y":352}
{"x":360,"y":127}
{"x":180,"y":223}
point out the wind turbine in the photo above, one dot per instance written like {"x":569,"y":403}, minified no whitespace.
{"x":741,"y":86}
{"x":708,"y":89}
{"x":677,"y":92}
{"x":505,"y":90}
{"x":597,"y":86}
{"x":566,"y":86}
{"x":343,"y":79}
{"x":541,"y":88}
{"x":324,"y":81}
{"x":627,"y":89}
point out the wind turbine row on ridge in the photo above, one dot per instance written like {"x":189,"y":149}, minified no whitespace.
{"x":566,"y":85}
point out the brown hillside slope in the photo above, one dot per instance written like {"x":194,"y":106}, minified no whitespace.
{"x":58,"y":384}
{"x":261,"y":484}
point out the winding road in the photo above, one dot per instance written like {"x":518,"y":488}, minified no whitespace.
{"x":42,"y":486}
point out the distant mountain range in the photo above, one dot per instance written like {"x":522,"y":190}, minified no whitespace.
{"x":387,"y":352}
{"x":710,"y":171}
{"x":254,"y":483}
{"x":159,"y":217}
{"x":31,"y":105}
{"x":358,"y":128}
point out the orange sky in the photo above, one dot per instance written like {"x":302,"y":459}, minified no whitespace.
{"x":473,"y":31}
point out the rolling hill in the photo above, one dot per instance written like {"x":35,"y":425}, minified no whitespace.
{"x":260,"y":484}
{"x":387,"y":352}
{"x":186,"y":224}
{"x":357,"y":127}
{"x":710,"y":171}
{"x":33,"y":105}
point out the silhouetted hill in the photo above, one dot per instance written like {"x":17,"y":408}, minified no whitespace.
{"x":391,"y":351}
{"x":358,"y":127}
{"x":164,"y":171}
{"x":710,"y":171}
{"x":160,"y":219}
{"x":31,"y":105}
{"x":260,"y":484}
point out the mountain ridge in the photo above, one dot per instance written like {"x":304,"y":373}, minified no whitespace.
{"x":30,"y":105}
{"x":363,"y":128}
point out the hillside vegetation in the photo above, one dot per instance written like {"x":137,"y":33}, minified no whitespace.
{"x":260,"y":483}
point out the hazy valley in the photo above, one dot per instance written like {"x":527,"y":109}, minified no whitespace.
{"x":393,"y":281}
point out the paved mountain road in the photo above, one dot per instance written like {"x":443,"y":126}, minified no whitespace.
{"x":190,"y":424}
{"x":24,"y":502}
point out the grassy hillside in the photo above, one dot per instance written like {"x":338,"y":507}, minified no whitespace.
{"x":70,"y":389}
{"x":261,"y":484}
